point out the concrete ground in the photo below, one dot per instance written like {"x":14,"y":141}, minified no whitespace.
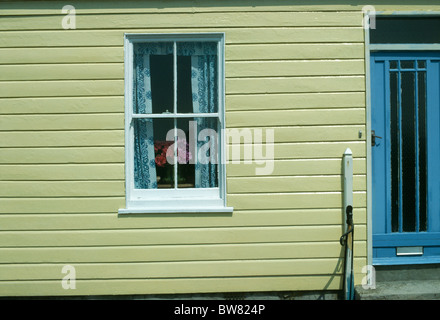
{"x":418,"y":282}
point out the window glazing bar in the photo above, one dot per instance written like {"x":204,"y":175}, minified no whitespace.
{"x":175,"y":110}
{"x":172,"y":116}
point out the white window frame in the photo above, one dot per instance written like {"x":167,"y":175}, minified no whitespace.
{"x":203,"y":200}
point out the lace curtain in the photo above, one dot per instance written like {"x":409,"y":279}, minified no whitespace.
{"x":204,"y":96}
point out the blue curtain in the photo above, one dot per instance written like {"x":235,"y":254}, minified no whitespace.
{"x":144,"y":164}
{"x":204,"y":97}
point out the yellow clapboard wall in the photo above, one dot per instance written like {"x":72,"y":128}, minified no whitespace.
{"x":296,"y":68}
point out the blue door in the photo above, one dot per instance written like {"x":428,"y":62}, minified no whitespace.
{"x":405,"y":124}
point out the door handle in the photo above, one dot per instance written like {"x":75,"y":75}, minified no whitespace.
{"x":373,"y":138}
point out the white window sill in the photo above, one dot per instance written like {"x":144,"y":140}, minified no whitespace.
{"x":176,"y":210}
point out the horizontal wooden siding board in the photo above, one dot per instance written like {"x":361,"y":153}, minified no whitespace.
{"x":240,"y":218}
{"x":176,"y":236}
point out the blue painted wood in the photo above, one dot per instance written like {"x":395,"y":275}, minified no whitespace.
{"x":433,"y":147}
{"x":399,"y":103}
{"x":379,"y":179}
{"x":416,"y":120}
{"x":384,"y":240}
{"x":406,"y":239}
{"x":386,"y":138}
{"x":406,"y":260}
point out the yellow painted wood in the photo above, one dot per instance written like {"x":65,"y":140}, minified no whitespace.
{"x":62,"y":138}
{"x":102,"y":54}
{"x":234,"y":86}
{"x":23,"y":122}
{"x":114,"y":257}
{"x":211,"y":252}
{"x":62,"y":172}
{"x":116,"y":154}
{"x":240,"y":218}
{"x":12,"y":89}
{"x":277,"y":267}
{"x":61,"y":205}
{"x":169,"y":236}
{"x":182,"y":285}
{"x":43,"y":189}
{"x":62,"y":122}
{"x":305,"y":34}
{"x":316,"y":133}
{"x":98,"y":71}
{"x":62,"y":72}
{"x":246,"y":52}
{"x":296,"y":167}
{"x":295,"y":101}
{"x":116,"y":137}
{"x":132,"y":6}
{"x":184,"y":20}
{"x":233,"y":103}
{"x":249,"y":119}
{"x":103,"y":37}
{"x":62,"y":155}
{"x":294,"y":68}
{"x":292,"y":200}
{"x":60,"y":105}
{"x":105,"y":171}
{"x":295,"y":84}
{"x":260,"y":184}
{"x":293,"y":151}
{"x":238,"y":201}
{"x":294,"y":51}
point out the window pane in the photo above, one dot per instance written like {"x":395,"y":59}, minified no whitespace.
{"x":393,"y":64}
{"x":153,"y":78}
{"x":198,"y":154}
{"x":405,"y":30}
{"x":163,"y":150}
{"x":162,"y":87}
{"x":186,"y":152}
{"x":151,"y":168}
{"x":197,"y":84}
{"x":207,"y":153}
{"x":184,"y":94}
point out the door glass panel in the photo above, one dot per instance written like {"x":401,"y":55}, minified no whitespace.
{"x":422,"y":150}
{"x":408,"y":137}
{"x":406,"y":64}
{"x":395,"y":152}
{"x":408,"y":151}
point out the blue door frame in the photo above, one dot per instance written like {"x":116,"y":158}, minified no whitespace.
{"x":392,"y":205}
